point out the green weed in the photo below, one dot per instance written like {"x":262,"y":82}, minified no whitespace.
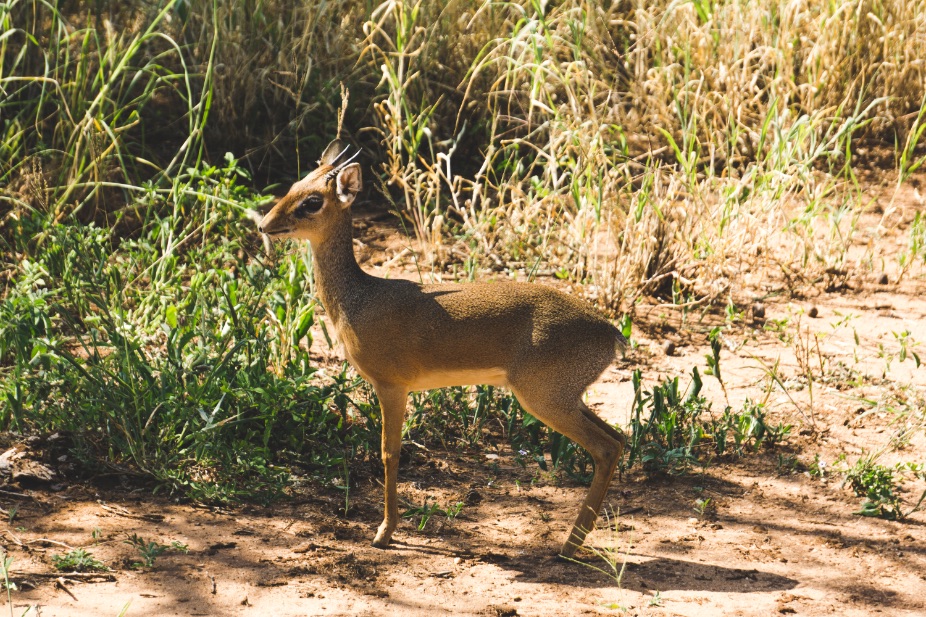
{"x":78,"y":560}
{"x":426,"y":511}
{"x":151,"y":550}
{"x":673,"y":431}
{"x":817,"y":468}
{"x":878,"y":485}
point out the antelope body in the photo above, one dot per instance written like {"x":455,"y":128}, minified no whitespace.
{"x":544,"y":345}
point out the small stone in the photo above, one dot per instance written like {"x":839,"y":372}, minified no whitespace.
{"x":758,"y":311}
{"x":457,"y":561}
{"x":813,"y":312}
{"x":882,"y":280}
{"x":669,"y":348}
{"x":472,"y":497}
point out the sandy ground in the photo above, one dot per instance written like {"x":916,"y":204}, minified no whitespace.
{"x":777,"y":540}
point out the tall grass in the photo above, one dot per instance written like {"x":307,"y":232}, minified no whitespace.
{"x":653,"y":147}
{"x":638,"y":146}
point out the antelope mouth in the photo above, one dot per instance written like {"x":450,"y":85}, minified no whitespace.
{"x":279,"y":232}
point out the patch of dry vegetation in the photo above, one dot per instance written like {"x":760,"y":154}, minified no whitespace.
{"x":666,"y":147}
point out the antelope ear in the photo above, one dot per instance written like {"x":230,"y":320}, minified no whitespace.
{"x":332,"y":153}
{"x":349,"y":183}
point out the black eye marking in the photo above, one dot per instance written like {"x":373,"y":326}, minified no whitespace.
{"x":309,"y":205}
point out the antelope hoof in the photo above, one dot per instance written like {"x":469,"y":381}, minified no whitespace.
{"x":383,"y":537}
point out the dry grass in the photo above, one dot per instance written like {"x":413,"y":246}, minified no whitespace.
{"x":638,"y":148}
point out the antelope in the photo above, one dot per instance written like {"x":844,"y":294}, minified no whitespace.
{"x":545,"y":346}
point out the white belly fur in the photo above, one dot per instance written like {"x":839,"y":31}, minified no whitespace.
{"x":466,"y":377}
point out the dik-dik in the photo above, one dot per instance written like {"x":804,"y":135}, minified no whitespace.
{"x":544,"y":345}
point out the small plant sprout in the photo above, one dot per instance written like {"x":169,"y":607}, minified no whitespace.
{"x":713,"y":360}
{"x":732,"y":312}
{"x":426,"y":511}
{"x":151,"y":550}
{"x":817,"y":468}
{"x":6,"y":564}
{"x":906,"y":343}
{"x":705,"y":507}
{"x":656,"y":600}
{"x":625,"y":325}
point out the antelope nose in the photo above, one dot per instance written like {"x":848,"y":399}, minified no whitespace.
{"x":260,"y":228}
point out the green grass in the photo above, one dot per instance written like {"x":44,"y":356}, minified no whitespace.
{"x":171,"y":352}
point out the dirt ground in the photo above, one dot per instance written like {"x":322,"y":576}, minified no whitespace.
{"x":776,"y":538}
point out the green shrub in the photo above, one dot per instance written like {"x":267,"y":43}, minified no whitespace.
{"x":77,"y":560}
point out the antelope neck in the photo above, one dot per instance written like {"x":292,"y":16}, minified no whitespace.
{"x":337,"y":274}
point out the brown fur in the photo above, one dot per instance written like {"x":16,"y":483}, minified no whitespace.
{"x":546,"y":346}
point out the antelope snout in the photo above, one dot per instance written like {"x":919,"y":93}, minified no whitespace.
{"x":263,"y":225}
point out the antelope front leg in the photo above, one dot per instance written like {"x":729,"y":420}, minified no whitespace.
{"x":392,"y":402}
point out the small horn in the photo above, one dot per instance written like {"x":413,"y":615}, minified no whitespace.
{"x":334,"y":172}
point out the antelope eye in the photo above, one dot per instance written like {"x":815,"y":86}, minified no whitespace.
{"x":309,"y":205}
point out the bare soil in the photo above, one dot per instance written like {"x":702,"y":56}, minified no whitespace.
{"x":776,"y":539}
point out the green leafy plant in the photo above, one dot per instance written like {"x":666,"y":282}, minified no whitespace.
{"x":78,"y":560}
{"x":906,"y":344}
{"x":705,"y":507}
{"x":817,"y":468}
{"x":206,"y":348}
{"x":625,"y":325}
{"x":876,"y":484}
{"x":656,"y":600}
{"x":746,"y":430}
{"x":664,"y":440}
{"x":150,"y":550}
